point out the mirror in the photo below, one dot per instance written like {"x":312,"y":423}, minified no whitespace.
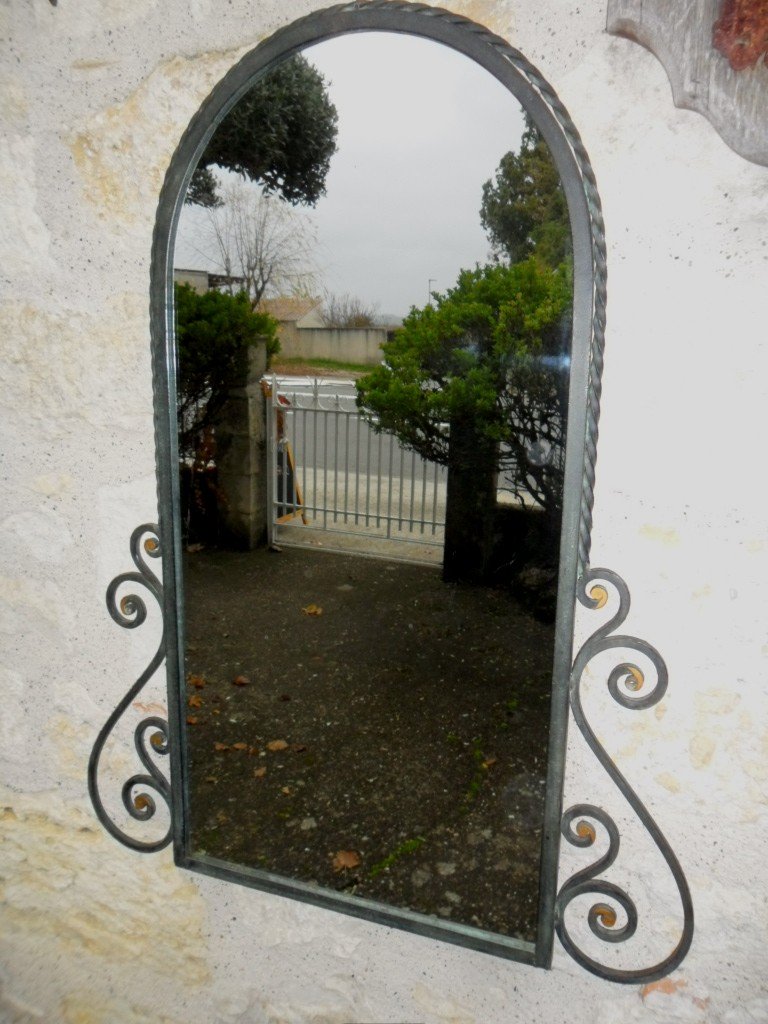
{"x":379,"y":320}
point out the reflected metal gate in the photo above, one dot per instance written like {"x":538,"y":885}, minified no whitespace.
{"x":331,"y":473}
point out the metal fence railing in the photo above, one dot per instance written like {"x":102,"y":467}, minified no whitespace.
{"x":331,"y":472}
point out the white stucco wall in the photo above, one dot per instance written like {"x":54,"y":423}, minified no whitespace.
{"x":94,"y":97}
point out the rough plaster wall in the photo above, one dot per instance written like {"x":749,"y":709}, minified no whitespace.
{"x":94,"y":96}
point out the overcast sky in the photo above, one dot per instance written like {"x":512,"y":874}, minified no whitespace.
{"x":421,"y":127}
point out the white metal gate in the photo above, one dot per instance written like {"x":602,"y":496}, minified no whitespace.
{"x":330,"y":473}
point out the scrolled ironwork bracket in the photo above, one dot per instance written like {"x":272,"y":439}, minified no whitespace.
{"x":139,"y":792}
{"x":625,"y":683}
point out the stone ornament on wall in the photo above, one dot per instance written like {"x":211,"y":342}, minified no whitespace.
{"x":714,"y":53}
{"x":741,"y":34}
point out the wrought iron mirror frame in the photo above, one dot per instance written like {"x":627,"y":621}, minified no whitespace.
{"x":576,"y":581}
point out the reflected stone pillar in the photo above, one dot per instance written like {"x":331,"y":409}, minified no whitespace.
{"x":241,"y":458}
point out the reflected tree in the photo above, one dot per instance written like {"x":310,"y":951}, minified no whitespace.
{"x":282,"y":134}
{"x":523,"y":209}
{"x":214,"y":334}
{"x":262,"y":245}
{"x":476,"y":381}
{"x":342,"y":311}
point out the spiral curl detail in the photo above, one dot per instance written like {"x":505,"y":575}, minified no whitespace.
{"x":626,"y":684}
{"x":151,"y":734}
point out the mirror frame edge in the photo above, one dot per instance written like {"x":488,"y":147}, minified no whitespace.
{"x":536,"y":96}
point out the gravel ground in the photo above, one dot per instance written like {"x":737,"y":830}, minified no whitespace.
{"x":361,"y":725}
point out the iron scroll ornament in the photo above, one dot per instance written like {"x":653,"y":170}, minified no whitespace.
{"x":151,"y":734}
{"x":625,"y":683}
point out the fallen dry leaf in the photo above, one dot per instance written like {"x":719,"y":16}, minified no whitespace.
{"x":259,"y":773}
{"x":239,"y":746}
{"x":298,"y":747}
{"x":286,"y":790}
{"x":197,"y":681}
{"x":240,"y":681}
{"x":346,"y":859}
{"x":253,"y":751}
{"x":276,"y":745}
{"x":489,"y":761}
{"x":195,"y":701}
{"x":192,"y":719}
{"x":220,"y":746}
{"x":210,"y":778}
{"x":313,"y":609}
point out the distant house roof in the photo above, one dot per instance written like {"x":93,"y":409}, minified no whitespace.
{"x":288,"y":308}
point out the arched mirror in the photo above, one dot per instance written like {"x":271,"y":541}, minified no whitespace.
{"x":372,"y":311}
{"x":369,"y":670}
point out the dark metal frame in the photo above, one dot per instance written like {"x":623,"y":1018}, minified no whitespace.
{"x":537,"y":97}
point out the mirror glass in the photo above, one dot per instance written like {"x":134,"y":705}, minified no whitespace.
{"x":374,"y":305}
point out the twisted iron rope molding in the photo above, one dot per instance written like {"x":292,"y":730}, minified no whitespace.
{"x":601,"y":917}
{"x":130,"y":613}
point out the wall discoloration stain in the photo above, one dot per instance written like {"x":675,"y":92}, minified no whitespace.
{"x":14,"y":105}
{"x":72,"y":742}
{"x":150,"y":708}
{"x":26,"y":604}
{"x":717,"y":701}
{"x":14,"y":1012}
{"x":701,"y":750}
{"x":56,"y":395}
{"x":711,"y":707}
{"x":123,"y":153}
{"x":67,"y":890}
{"x":662,"y":535}
{"x":491,"y":14}
{"x":669,"y":782}
{"x":86,"y":1009}
{"x":673,"y":997}
{"x":442,"y":1008}
{"x":756,"y":767}
{"x":85,"y":64}
{"x":52,"y":485}
{"x":667,"y":986}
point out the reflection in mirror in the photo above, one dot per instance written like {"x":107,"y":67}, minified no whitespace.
{"x":373,"y":328}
